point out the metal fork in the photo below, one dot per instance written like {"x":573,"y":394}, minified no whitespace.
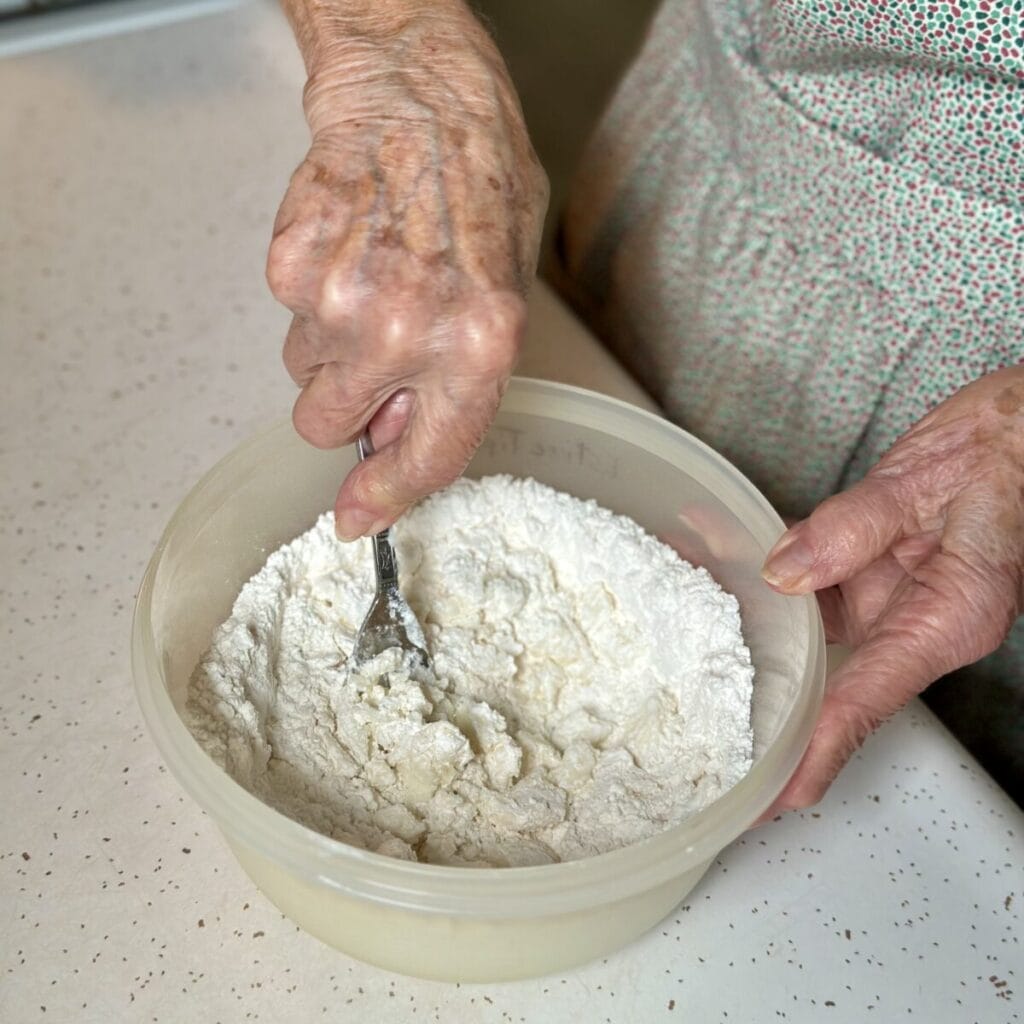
{"x":390,"y":622}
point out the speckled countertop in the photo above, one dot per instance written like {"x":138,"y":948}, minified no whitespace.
{"x":139,"y":179}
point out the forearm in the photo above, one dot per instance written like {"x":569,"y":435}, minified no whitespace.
{"x":323,"y":27}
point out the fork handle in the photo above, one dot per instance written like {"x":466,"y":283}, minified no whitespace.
{"x":383,"y":553}
{"x":364,"y":445}
{"x":384,"y":560}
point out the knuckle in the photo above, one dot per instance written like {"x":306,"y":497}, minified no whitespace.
{"x":429,"y":463}
{"x":296,"y":353}
{"x":507,"y":314}
{"x":309,"y":424}
{"x":397,"y":331}
{"x":392,"y":486}
{"x":286,"y":270}
{"x":864,"y":518}
{"x":423,"y":462}
{"x":422,"y":477}
{"x":492,"y":333}
{"x":323,"y":412}
{"x":310,"y":219}
{"x":538,"y":185}
{"x":336,"y":302}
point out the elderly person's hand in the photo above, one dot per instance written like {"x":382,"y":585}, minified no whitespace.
{"x":405,"y":244}
{"x":918,"y":567}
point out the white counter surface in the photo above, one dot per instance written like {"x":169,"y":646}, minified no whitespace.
{"x":140,"y":176}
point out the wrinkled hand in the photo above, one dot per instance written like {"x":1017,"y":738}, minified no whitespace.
{"x":918,"y":567}
{"x":404,"y":247}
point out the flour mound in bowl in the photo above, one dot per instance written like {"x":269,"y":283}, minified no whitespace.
{"x":588,"y":687}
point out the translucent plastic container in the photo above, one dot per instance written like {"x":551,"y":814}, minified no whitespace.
{"x":472,"y":924}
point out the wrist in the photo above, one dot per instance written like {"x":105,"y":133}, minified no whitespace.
{"x":435,"y":64}
{"x":327,"y":31}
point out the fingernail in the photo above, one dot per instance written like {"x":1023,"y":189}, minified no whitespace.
{"x":353,"y":523}
{"x":789,"y":561}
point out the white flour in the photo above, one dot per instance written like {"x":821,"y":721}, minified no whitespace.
{"x":589,"y":688}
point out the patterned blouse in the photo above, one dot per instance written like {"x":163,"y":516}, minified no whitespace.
{"x":801,"y":225}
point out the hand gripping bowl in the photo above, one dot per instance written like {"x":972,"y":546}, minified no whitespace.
{"x":472,"y":924}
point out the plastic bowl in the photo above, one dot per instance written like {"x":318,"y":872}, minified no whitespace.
{"x":471,"y":924}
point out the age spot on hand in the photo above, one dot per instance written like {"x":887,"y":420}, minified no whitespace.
{"x":1010,"y":400}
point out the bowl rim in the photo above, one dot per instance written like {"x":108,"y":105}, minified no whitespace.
{"x":486,"y":892}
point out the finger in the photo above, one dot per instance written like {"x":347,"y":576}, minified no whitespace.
{"x":911,"y":552}
{"x":391,"y":418}
{"x":301,"y":350}
{"x":928,"y":631}
{"x":320,"y":224}
{"x":363,"y":362}
{"x":850,"y":612}
{"x":833,"y":615}
{"x":457,"y":391}
{"x":843,"y":535}
{"x":439,"y":440}
{"x":351,"y":325}
{"x":847,"y":719}
{"x":872,"y":684}
{"x":334,"y":407}
{"x":297,"y":250}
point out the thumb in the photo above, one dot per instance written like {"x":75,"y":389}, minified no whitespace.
{"x":843,"y":535}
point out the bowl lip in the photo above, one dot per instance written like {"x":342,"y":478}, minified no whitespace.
{"x":482,"y":892}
